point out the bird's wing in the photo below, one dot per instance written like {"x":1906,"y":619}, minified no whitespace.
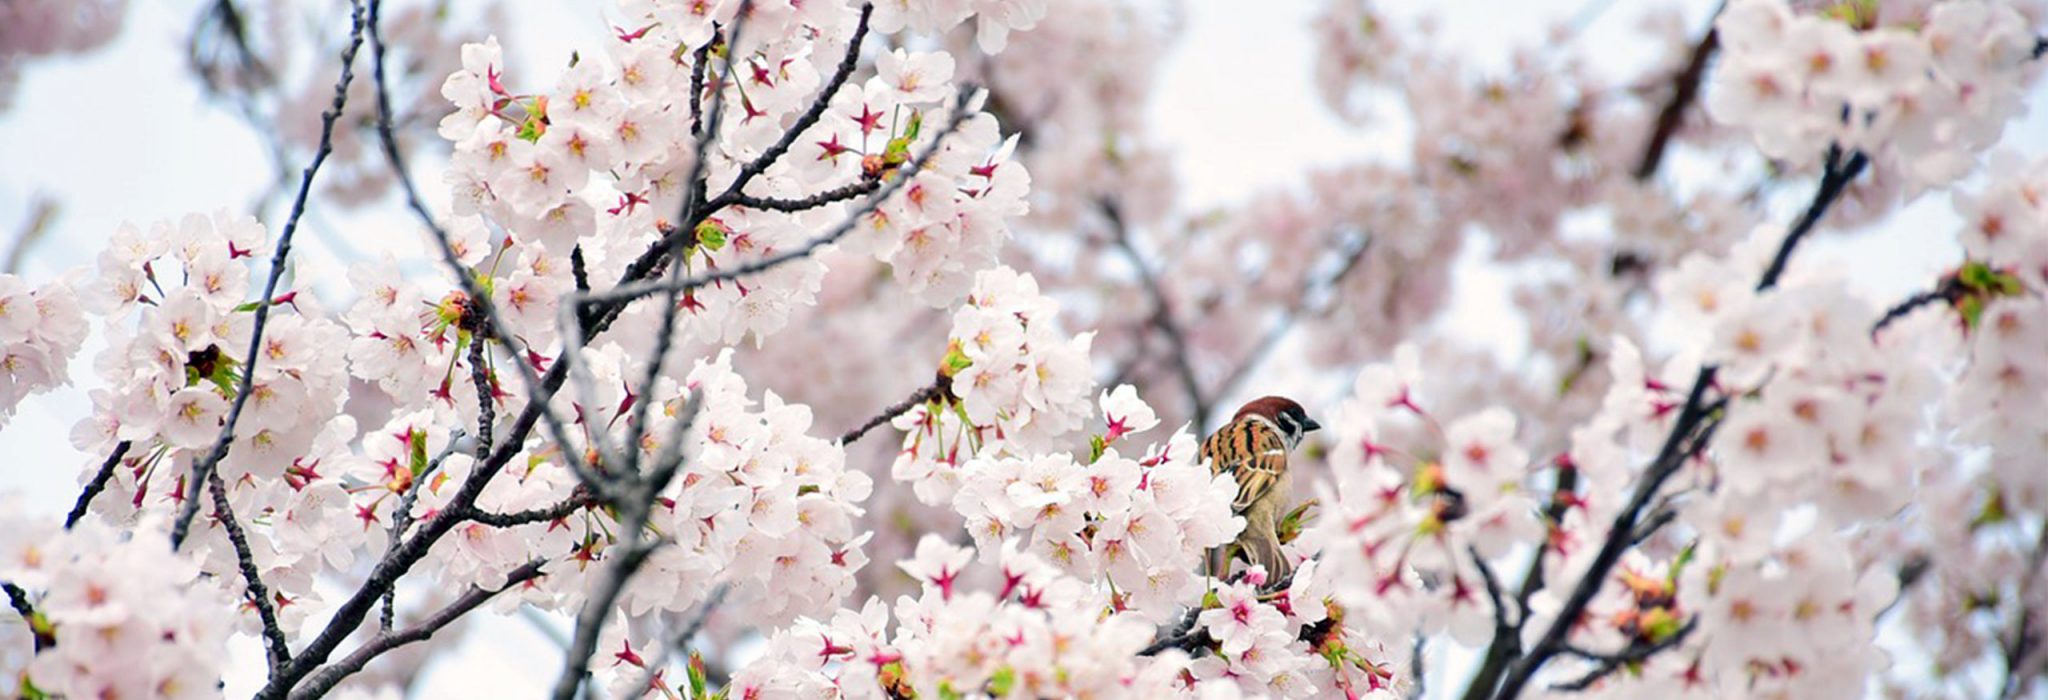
{"x":1253,"y":453}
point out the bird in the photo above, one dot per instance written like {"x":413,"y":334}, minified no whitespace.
{"x":1253,"y":449}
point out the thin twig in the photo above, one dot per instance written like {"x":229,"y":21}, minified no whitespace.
{"x":204,"y":467}
{"x":938,"y":388}
{"x":546,"y":514}
{"x":837,"y":194}
{"x":259,"y":595}
{"x":98,"y":484}
{"x":401,"y":518}
{"x":333,"y":674}
{"x":1637,"y":652}
{"x":1947,"y":291}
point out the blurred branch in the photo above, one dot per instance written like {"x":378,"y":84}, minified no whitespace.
{"x":2021,"y":647}
{"x":1304,"y":305}
{"x":1162,"y":313}
{"x":677,"y":642}
{"x":202,"y":468}
{"x":42,"y":212}
{"x":1685,"y":88}
{"x":1637,"y":652}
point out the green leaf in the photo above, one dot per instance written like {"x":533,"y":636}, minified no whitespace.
{"x":698,"y":678}
{"x":946,"y":691}
{"x":711,"y":235}
{"x":419,"y":452}
{"x":1096,"y":446}
{"x":1002,"y":681}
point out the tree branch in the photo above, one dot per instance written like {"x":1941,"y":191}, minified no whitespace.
{"x":204,"y":467}
{"x":98,"y":484}
{"x":1685,"y":88}
{"x":2021,"y":645}
{"x":18,"y":599}
{"x":939,"y":387}
{"x":1689,"y":433}
{"x":1636,"y":652}
{"x":838,"y":194}
{"x":680,"y":641}
{"x":266,"y":609}
{"x":1947,"y":291}
{"x":332,"y":674}
{"x":575,"y":502}
{"x":401,"y":518}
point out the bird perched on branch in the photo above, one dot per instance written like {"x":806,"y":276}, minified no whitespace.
{"x":1253,"y":449}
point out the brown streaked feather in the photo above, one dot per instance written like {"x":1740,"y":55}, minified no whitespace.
{"x":1252,"y":452}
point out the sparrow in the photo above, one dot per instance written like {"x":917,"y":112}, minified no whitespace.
{"x":1253,"y":449}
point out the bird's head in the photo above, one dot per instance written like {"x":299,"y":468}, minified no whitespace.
{"x":1285,"y":414}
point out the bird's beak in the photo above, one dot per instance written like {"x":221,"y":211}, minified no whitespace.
{"x":1309,"y":425}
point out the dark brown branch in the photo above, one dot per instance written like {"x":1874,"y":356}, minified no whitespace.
{"x":98,"y":484}
{"x":333,"y":674}
{"x":1947,"y":291}
{"x":1695,"y":423}
{"x":401,"y":518}
{"x":838,"y":194}
{"x":1685,"y":88}
{"x":575,"y":502}
{"x":18,"y":599}
{"x":202,"y":468}
{"x":938,"y":388}
{"x":1637,"y":652}
{"x":266,"y":609}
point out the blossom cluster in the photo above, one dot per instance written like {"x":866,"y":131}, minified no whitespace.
{"x":1040,"y":635}
{"x":1016,"y":385}
{"x":1418,"y":506}
{"x":115,"y":616}
{"x":1922,"y":93}
{"x":179,"y":320}
{"x":44,"y":27}
{"x":41,"y":328}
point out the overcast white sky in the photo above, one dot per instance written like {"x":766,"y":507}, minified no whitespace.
{"x":124,"y":135}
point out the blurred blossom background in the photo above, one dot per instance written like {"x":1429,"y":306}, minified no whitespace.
{"x":1230,"y":148}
